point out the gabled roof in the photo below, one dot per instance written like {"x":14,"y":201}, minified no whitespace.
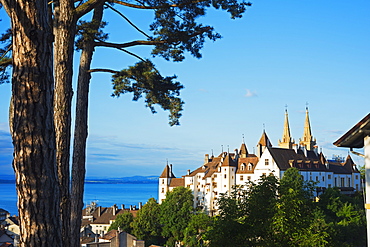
{"x":167,"y":173}
{"x":264,"y":140}
{"x":228,"y":161}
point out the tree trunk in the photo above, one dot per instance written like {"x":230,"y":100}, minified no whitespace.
{"x":32,"y":123}
{"x":64,"y":31}
{"x":81,"y":132}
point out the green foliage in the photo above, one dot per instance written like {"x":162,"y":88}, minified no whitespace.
{"x":146,"y":225}
{"x":143,"y":78}
{"x":194,"y":233}
{"x":5,"y":55}
{"x":294,"y":208}
{"x":176,"y":212}
{"x":123,"y":221}
{"x":346,"y":217}
{"x":241,"y":220}
{"x":89,"y":31}
{"x":178,"y":28}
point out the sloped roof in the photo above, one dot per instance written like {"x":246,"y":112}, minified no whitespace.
{"x":346,"y":167}
{"x":176,"y":182}
{"x":243,"y":149}
{"x":167,"y":173}
{"x":264,"y":140}
{"x":228,"y":161}
{"x":354,"y":138}
{"x":286,"y":158}
{"x":251,"y":159}
{"x":106,"y":215}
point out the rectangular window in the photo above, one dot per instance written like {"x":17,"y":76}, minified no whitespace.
{"x":329,"y":185}
{"x":241,"y":178}
{"x":341,"y":182}
{"x":323,"y":178}
{"x":249,"y":178}
{"x":356,"y":176}
{"x":266,"y":162}
{"x":329,"y":176}
{"x":225,"y":176}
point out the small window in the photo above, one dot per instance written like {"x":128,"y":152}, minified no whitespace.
{"x":162,"y":190}
{"x":356,"y":176}
{"x":250,"y":166}
{"x":249,"y":178}
{"x":266,"y":162}
{"x":241,"y":178}
{"x":329,"y":176}
{"x":329,"y":185}
{"x":162,"y":181}
{"x":225,"y":176}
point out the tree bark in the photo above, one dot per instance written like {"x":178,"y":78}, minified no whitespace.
{"x":64,"y":31}
{"x":81,"y":132}
{"x":32,"y":124}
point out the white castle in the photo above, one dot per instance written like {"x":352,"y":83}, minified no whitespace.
{"x":219,"y":174}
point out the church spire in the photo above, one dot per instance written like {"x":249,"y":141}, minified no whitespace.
{"x":286,"y":141}
{"x":307,"y":139}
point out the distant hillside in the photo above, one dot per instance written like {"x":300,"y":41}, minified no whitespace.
{"x":124,"y":180}
{"x":9,"y":179}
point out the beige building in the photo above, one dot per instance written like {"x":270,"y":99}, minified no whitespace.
{"x":219,"y":174}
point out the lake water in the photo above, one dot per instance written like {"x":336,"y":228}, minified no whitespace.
{"x":104,"y":194}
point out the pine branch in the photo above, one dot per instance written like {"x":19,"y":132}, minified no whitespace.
{"x":131,"y":23}
{"x":128,"y":44}
{"x":103,"y":70}
{"x":86,"y":7}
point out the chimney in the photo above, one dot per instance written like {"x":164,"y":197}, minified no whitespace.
{"x":140,"y":205}
{"x":130,"y":207}
{"x":188,"y":172}
{"x":114,"y":209}
{"x":206,"y":158}
{"x":96,"y":238}
{"x":99,"y":211}
{"x":122,"y":206}
{"x":170,"y":175}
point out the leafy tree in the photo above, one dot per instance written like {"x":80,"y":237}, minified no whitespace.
{"x":295,"y":212}
{"x":346,"y":217}
{"x":259,"y":220}
{"x":196,"y":229}
{"x":241,"y":220}
{"x":146,"y":225}
{"x":123,"y":222}
{"x":176,"y":212}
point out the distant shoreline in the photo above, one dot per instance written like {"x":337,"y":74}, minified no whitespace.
{"x":124,"y":180}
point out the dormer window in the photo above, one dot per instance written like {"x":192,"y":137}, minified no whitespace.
{"x":250,"y":167}
{"x":203,"y":167}
{"x":242,"y":167}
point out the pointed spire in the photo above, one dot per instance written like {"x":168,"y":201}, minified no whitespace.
{"x":307,"y":138}
{"x":263,"y":143}
{"x":286,"y":141}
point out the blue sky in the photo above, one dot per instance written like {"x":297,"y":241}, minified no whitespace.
{"x":280,"y":53}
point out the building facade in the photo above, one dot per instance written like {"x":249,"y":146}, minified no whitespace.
{"x":219,"y":174}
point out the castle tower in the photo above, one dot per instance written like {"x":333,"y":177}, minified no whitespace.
{"x":307,"y":140}
{"x":286,"y":141}
{"x":164,"y":182}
